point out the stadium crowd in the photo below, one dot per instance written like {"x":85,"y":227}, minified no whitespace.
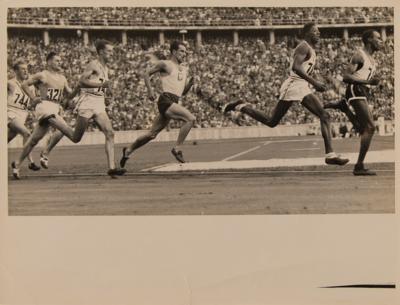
{"x":155,"y":16}
{"x":253,"y":71}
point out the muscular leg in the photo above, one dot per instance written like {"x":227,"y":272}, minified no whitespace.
{"x":37,"y":134}
{"x":277,"y":113}
{"x":18,"y":127}
{"x":343,"y":107}
{"x":75,"y":135}
{"x":54,"y":139}
{"x":159,"y":124}
{"x":178,"y":112}
{"x":368,"y":128}
{"x":312,"y":103}
{"x":102,"y":120}
{"x":59,"y":123}
{"x":11,"y":135}
{"x":353,"y":119}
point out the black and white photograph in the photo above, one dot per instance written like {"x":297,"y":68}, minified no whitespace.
{"x":199,"y":153}
{"x":200,"y":111}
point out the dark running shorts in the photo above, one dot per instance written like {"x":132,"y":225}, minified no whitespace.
{"x":356,"y":92}
{"x":165,"y":101}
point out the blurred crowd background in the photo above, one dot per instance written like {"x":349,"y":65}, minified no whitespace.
{"x":253,"y":70}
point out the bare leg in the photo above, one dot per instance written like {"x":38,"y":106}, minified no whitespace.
{"x":18,"y":127}
{"x":158,"y":125}
{"x":105,"y":126}
{"x":59,"y":123}
{"x":343,"y":107}
{"x":37,"y":134}
{"x":277,"y":114}
{"x":368,"y":128}
{"x":178,"y":112}
{"x":53,"y":141}
{"x":75,"y":135}
{"x":11,"y":135}
{"x":313,"y":104}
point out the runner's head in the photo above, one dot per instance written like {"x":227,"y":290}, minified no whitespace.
{"x":311,"y":33}
{"x":372,"y":39}
{"x":104,"y":49}
{"x":178,"y":50}
{"x":20,"y":68}
{"x":53,"y":61}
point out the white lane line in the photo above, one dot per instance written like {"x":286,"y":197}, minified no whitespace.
{"x":288,"y":141}
{"x":312,"y":148}
{"x":242,"y":153}
{"x":246,"y":151}
{"x":155,"y":167}
{"x":383,"y":156}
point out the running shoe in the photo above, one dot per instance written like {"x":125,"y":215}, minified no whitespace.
{"x":15,"y":171}
{"x":231,"y":106}
{"x":44,"y":161}
{"x":116,"y":172}
{"x":360,"y":170}
{"x":32,"y":166}
{"x":178,"y":155}
{"x":335,"y":159}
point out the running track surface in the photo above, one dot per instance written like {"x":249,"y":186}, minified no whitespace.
{"x":76,"y":184}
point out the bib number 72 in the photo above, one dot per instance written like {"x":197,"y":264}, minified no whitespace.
{"x":101,"y":89}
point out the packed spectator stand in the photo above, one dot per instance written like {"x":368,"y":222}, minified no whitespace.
{"x":253,"y":70}
{"x":191,"y":16}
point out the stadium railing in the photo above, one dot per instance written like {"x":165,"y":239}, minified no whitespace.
{"x":183,"y":23}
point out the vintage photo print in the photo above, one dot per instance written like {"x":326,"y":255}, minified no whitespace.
{"x":199,"y":153}
{"x":205,"y":110}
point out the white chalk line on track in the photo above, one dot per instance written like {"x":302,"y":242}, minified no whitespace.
{"x":312,"y":148}
{"x":289,"y":141}
{"x":382,"y":156}
{"x":270,"y":163}
{"x":242,"y":153}
{"x":155,"y":167}
{"x":267,"y":143}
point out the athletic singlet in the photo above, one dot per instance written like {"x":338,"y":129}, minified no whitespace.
{"x":175,"y":81}
{"x":52,"y":86}
{"x":307,"y":65}
{"x":18,"y":99}
{"x":367,"y":70}
{"x":97,"y":77}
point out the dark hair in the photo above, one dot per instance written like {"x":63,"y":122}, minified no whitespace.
{"x":175,"y":45}
{"x":50,"y":55}
{"x":18,"y":63}
{"x":160,"y":55}
{"x":101,"y":44}
{"x":307,"y":28}
{"x":367,"y":35}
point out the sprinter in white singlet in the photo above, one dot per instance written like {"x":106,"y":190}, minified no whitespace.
{"x":175,"y":84}
{"x":17,"y":107}
{"x":360,"y":76}
{"x":51,"y":85}
{"x":94,"y":84}
{"x":299,"y":87}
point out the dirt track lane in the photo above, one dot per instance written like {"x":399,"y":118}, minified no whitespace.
{"x":204,"y":195}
